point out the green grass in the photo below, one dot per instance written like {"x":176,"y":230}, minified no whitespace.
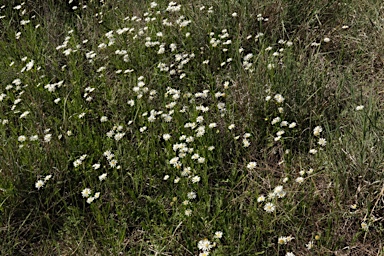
{"x":98,"y":91}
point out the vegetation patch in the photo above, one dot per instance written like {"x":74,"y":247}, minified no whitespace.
{"x":191,"y":128}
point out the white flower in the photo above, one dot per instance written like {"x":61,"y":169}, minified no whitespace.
{"x":358,"y":108}
{"x":279,"y":191}
{"x":189,"y":139}
{"x":299,"y":180}
{"x":279,"y":98}
{"x":317,"y":130}
{"x":153,"y":4}
{"x":39,"y":184}
{"x":364,"y":226}
{"x":195,"y":179}
{"x":110,"y":133}
{"x":309,"y":245}
{"x":21,"y":138}
{"x":47,"y":178}
{"x":313,"y":151}
{"x":103,"y":119}
{"x":246,"y":135}
{"x":251,"y":165}
{"x":231,"y":127}
{"x":166,"y":136}
{"x":174,"y":161}
{"x":113,"y":163}
{"x":282,"y":240}
{"x":103,"y":176}
{"x":289,"y":254}
{"x":261,"y":199}
{"x":195,"y":156}
{"x":24,"y":114}
{"x":326,"y":40}
{"x":212,"y":125}
{"x":218,"y":234}
{"x":77,"y":162}
{"x":131,"y":103}
{"x":204,"y":245}
{"x":322,"y":142}
{"x":47,"y":137}
{"x":90,"y":199}
{"x":314,"y":44}
{"x":275,"y":120}
{"x":188,"y":212}
{"x":191,"y":195}
{"x":269,"y":207}
{"x":166,"y":177}
{"x":292,"y":125}
{"x":119,"y":136}
{"x":199,"y":119}
{"x":246,"y":143}
{"x":86,"y":192}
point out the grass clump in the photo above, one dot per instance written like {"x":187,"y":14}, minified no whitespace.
{"x":191,"y":128}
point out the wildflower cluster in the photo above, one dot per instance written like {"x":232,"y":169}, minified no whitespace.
{"x":87,"y":194}
{"x":321,"y":141}
{"x":40,"y":183}
{"x":205,"y":246}
{"x":163,"y":116}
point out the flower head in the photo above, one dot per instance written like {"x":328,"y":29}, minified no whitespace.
{"x":261,"y":199}
{"x":204,"y":245}
{"x":251,"y":165}
{"x":191,"y":195}
{"x":39,"y":184}
{"x":90,"y":199}
{"x":364,"y":226}
{"x":218,"y":234}
{"x":317,"y":130}
{"x":47,"y":178}
{"x":313,"y":151}
{"x":309,"y":245}
{"x":278,"y":98}
{"x":322,"y":142}
{"x":86,"y":192}
{"x":103,"y":176}
{"x":269,"y":207}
